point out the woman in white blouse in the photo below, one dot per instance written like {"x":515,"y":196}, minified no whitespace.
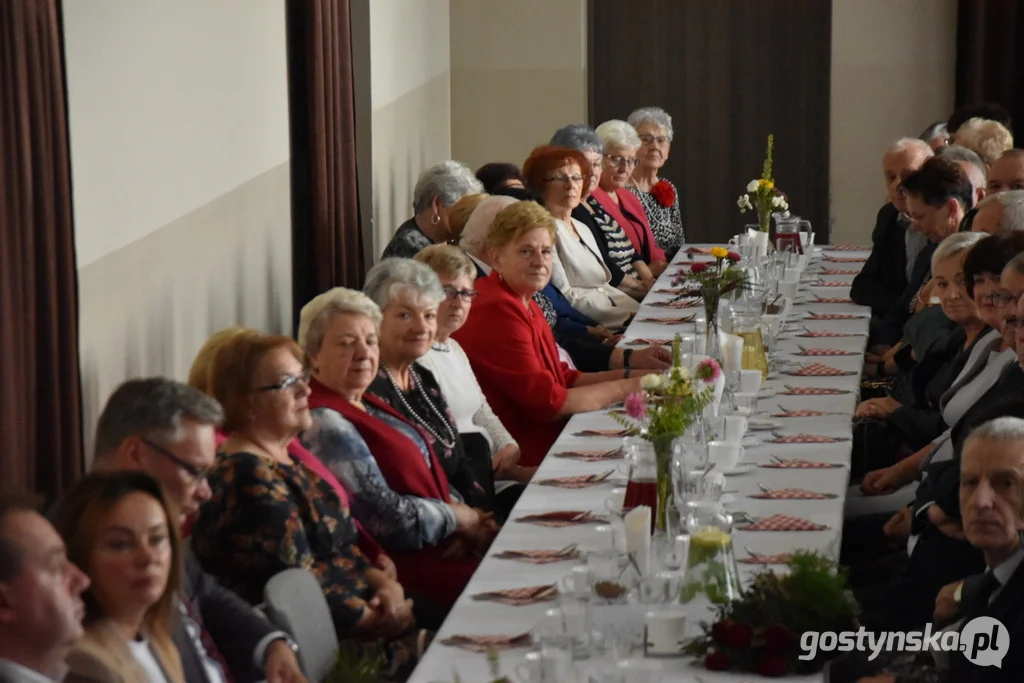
{"x":556,"y":173}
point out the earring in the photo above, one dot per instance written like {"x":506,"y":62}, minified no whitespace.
{"x":435,"y":219}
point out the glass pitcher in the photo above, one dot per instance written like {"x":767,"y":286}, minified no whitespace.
{"x":642,"y":487}
{"x":746,"y":324}
{"x":787,"y":232}
{"x":712,"y":576}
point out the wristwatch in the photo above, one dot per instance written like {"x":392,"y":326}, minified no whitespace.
{"x":289,"y":643}
{"x":625,"y":358}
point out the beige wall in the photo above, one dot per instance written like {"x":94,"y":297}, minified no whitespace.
{"x":892,"y":75}
{"x":178,"y":115}
{"x":519,"y":72}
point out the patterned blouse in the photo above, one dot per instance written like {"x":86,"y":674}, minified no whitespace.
{"x":407,"y":241}
{"x":547,"y":308}
{"x":666,"y":221}
{"x":620,"y":249}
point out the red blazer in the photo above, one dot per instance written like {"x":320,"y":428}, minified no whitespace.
{"x":516,"y":362}
{"x":630,"y":214}
{"x":422,"y":572}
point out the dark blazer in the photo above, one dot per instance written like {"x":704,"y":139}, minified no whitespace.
{"x":888,"y":329}
{"x":884,"y":277}
{"x":231,"y":622}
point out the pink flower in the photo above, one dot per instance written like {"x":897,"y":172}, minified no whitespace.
{"x":709,"y":370}
{"x":636,"y":407}
{"x":698,"y":267}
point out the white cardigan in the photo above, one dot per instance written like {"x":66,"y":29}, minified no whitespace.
{"x":580,"y":274}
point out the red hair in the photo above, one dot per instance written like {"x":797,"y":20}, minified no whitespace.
{"x":543,"y":161}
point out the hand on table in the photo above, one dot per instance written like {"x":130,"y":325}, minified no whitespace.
{"x":280,"y":664}
{"x":884,"y":481}
{"x":651,"y":358}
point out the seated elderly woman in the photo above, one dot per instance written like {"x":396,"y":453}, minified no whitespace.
{"x":621,"y":143}
{"x":460,"y":213}
{"x":497,"y":175}
{"x":510,"y":345}
{"x":269,"y":512}
{"x":581,"y":342}
{"x":657,"y":195}
{"x":396,"y":484}
{"x":578,"y":270}
{"x":436,"y":191}
{"x":988,"y":139}
{"x":629,"y":273}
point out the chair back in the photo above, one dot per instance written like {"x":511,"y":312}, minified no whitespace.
{"x":295,"y":602}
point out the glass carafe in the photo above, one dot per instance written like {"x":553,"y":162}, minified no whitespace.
{"x":642,"y":487}
{"x":712,"y":577}
{"x":787,"y":231}
{"x":746,"y":324}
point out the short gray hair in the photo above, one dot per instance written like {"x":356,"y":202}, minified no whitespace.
{"x":908,"y":144}
{"x":144,"y":406}
{"x":955,"y":244}
{"x":653,"y":115}
{"x":448,"y":181}
{"x":619,"y":133}
{"x":935,"y":130}
{"x":958,"y":153}
{"x":1013,"y":209}
{"x":999,"y":429}
{"x":392,"y":276}
{"x":317,"y":314}
{"x":474,"y":235}
{"x":579,"y":137}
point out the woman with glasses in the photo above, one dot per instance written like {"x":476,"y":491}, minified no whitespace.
{"x":579,"y":272}
{"x":621,"y":143}
{"x":658,"y":195}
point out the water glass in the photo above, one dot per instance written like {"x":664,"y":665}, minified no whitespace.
{"x":639,"y":671}
{"x":544,"y":665}
{"x":745,"y":404}
{"x":577,"y":622}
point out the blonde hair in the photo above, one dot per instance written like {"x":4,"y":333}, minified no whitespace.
{"x":199,"y":373}
{"x":516,"y":220}
{"x":988,"y":139}
{"x":460,"y":212}
{"x":447,"y":261}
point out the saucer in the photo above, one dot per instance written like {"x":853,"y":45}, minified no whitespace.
{"x":750,"y":441}
{"x":766,"y":392}
{"x":738,"y":470}
{"x":761,"y":425}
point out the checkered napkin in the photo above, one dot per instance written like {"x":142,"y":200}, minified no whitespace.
{"x":562,"y":518}
{"x":669,"y":321}
{"x":792,"y":494}
{"x":845,"y":247}
{"x":831,"y":283}
{"x":820,"y":334}
{"x":698,"y":250}
{"x":832,"y":300}
{"x":540,"y":556}
{"x":805,"y":438}
{"x":834,"y":316}
{"x":837,"y":271}
{"x":645,"y":341}
{"x":528,"y":595}
{"x":797,"y":464}
{"x":846,"y":259}
{"x":783,"y":523}
{"x":591,"y":456}
{"x":580,"y":481}
{"x":682,"y":303}
{"x":811,"y":391}
{"x":819,"y":370}
{"x":803,"y":413}
{"x":781,"y":558}
{"x":607,"y":433}
{"x":477,"y":643}
{"x":684,"y":291}
{"x":824,"y":352}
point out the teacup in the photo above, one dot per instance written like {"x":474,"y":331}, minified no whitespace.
{"x":750,"y":381}
{"x":725,"y":455}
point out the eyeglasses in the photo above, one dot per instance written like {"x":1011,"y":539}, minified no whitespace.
{"x":565,"y":179}
{"x":288,"y":382}
{"x":467,"y":294}
{"x":198,"y":475}
{"x":1002,"y":299}
{"x":660,"y":140}
{"x":617,"y":160}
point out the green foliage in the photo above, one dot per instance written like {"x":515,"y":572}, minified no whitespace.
{"x":352,"y":667}
{"x":766,"y":169}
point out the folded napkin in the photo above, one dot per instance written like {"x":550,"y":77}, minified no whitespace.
{"x":798,"y":464}
{"x":824,"y":352}
{"x":580,"y":481}
{"x":792,"y":494}
{"x":846,"y":259}
{"x":819,"y":370}
{"x":683,"y":303}
{"x":832,"y":300}
{"x":845,"y":247}
{"x":834,"y":316}
{"x":837,"y":271}
{"x":811,"y":391}
{"x":478,"y":643}
{"x":784,"y":523}
{"x":803,"y":413}
{"x":541,"y":556}
{"x":528,"y":595}
{"x":644,"y":341}
{"x":591,"y":456}
{"x":562,"y":518}
{"x":677,"y":291}
{"x":608,"y":433}
{"x":806,"y":438}
{"x":827,"y":333}
{"x":669,"y":321}
{"x":832,"y":283}
{"x":698,"y":250}
{"x":781,"y":558}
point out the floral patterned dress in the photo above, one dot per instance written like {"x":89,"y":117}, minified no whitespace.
{"x":265,"y":517}
{"x":665,"y":217}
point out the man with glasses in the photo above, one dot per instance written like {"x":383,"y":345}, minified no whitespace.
{"x":168,"y":430}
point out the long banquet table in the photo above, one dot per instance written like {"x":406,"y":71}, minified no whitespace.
{"x":440,"y":663}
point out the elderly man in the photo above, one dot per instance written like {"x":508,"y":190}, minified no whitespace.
{"x":41,"y":607}
{"x":1000,"y":213}
{"x":168,"y":430}
{"x":894,"y":246}
{"x":1007,"y":173}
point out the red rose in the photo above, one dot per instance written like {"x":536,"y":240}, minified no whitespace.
{"x":664,"y":193}
{"x":717,"y":661}
{"x":771,"y":666}
{"x":733,"y":256}
{"x":733,"y":634}
{"x":778,"y":638}
{"x":698,"y":267}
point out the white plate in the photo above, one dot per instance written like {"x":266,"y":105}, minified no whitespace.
{"x":761,"y":425}
{"x":739,"y":469}
{"x":750,"y":441}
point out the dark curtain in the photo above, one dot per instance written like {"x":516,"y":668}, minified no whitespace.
{"x":990,"y":55}
{"x":327,"y":242}
{"x":729,"y":72}
{"x":40,"y":409}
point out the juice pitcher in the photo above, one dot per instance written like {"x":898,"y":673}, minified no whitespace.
{"x":712,"y":576}
{"x":642,"y":487}
{"x":746,"y":324}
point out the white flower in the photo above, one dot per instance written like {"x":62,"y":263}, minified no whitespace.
{"x":776,"y":201}
{"x":652,"y":382}
{"x":785,"y":214}
{"x":782,"y":204}
{"x":679,"y":373}
{"x":744,"y":203}
{"x":752,"y":186}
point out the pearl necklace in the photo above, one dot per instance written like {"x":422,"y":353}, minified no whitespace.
{"x":414,"y":384}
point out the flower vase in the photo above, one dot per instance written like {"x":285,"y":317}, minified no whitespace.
{"x":711,"y":295}
{"x":663,"y":457}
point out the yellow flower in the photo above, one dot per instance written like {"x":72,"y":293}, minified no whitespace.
{"x":719,"y":252}
{"x":766,"y":183}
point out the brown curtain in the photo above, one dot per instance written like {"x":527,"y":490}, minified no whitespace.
{"x":990,"y":56}
{"x":327,"y":242}
{"x":729,"y":72}
{"x":40,"y":410}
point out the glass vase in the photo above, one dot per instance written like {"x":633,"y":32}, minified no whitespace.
{"x":663,"y":456}
{"x":711,"y":296}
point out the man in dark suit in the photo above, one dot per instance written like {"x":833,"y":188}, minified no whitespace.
{"x":168,"y":430}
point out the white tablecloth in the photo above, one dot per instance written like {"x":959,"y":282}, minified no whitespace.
{"x":475,"y":617}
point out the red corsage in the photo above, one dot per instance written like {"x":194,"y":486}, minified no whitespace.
{"x":664,"y":193}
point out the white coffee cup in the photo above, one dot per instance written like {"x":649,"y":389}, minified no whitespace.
{"x":725,"y":455}
{"x":614,"y":502}
{"x":730,"y":428}
{"x":666,"y":631}
{"x":787,"y":288}
{"x":750,"y":381}
{"x":577,"y":583}
{"x":544,"y":666}
{"x":793,"y":274}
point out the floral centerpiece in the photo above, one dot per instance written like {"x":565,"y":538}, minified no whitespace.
{"x":762,"y":195}
{"x":713,"y":280}
{"x":667,"y":407}
{"x":760,"y":632}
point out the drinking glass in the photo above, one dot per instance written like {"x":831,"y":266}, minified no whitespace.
{"x":745,"y":404}
{"x":806,"y":234}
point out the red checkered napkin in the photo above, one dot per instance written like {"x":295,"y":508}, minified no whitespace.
{"x":591,"y":456}
{"x":845,"y":247}
{"x":832,"y":283}
{"x":607,"y":433}
{"x":837,"y":271}
{"x":781,"y":558}
{"x":698,"y":250}
{"x":806,"y":438}
{"x":811,"y":391}
{"x":682,"y":303}
{"x":669,"y":321}
{"x":540,"y":556}
{"x":803,"y":413}
{"x":562,"y":518}
{"x":846,"y":259}
{"x":825,"y":352}
{"x":834,"y":316}
{"x":478,"y":643}
{"x":685,"y":291}
{"x":792,"y":494}
{"x":820,"y":370}
{"x":645,"y":341}
{"x":784,"y":523}
{"x":832,"y":300}
{"x":528,"y":595}
{"x":580,"y":481}
{"x":797,"y":464}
